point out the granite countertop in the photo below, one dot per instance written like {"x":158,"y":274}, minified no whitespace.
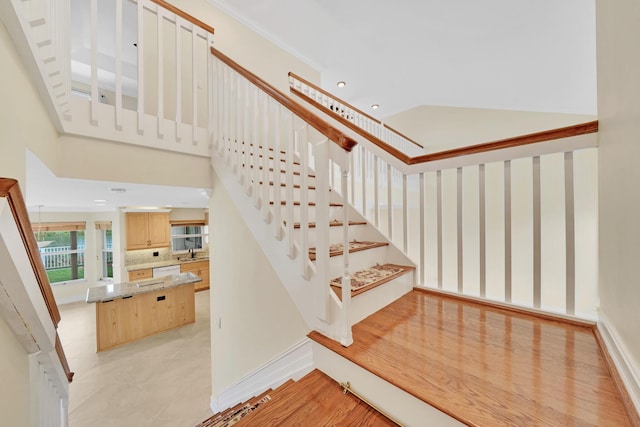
{"x":167,"y":263}
{"x":128,"y":289}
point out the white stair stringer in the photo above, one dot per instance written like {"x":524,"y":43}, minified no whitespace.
{"x":288,"y":270}
{"x":402,"y":406}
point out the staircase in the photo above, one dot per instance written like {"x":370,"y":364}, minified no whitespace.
{"x":348,"y":224}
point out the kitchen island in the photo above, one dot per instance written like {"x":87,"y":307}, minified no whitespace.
{"x":129,"y":311}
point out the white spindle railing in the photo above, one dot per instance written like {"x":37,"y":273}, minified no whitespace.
{"x":60,"y":256}
{"x":161,"y":90}
{"x":270,"y":148}
{"x":510,"y":227}
{"x":339,"y":108}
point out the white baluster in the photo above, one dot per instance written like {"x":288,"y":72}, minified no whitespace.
{"x":507,"y":231}
{"x":346,"y":337}
{"x":276,"y":166}
{"x":118,"y":64}
{"x":459,"y":247}
{"x":289,"y":188}
{"x":422,"y":277}
{"x":277,"y":177}
{"x":303,"y":144}
{"x":194,"y":83}
{"x":537,"y":246}
{"x":405,"y":215}
{"x":141,"y":46}
{"x":376,"y":193}
{"x":482,"y":214}
{"x":95,"y":95}
{"x":570,"y":234}
{"x":160,"y":22}
{"x":178,"y":63}
{"x":389,"y":202}
{"x":321,"y":291}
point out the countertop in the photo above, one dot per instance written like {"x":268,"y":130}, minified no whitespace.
{"x":167,"y":263}
{"x":129,"y":289}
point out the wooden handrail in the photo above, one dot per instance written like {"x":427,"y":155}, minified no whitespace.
{"x":346,"y":104}
{"x":63,"y":359}
{"x":10,"y":190}
{"x":345,"y":142}
{"x":517,"y":141}
{"x":184,"y":15}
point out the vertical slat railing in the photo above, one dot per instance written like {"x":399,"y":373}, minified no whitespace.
{"x":95,"y":95}
{"x":141,"y":69}
{"x":178,"y":73}
{"x":160,"y":65}
{"x":118,"y":64}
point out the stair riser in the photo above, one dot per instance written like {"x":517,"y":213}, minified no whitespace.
{"x":367,"y":303}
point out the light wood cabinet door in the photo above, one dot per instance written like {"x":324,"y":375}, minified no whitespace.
{"x":137,"y":230}
{"x":200,"y":269}
{"x":146,"y":230}
{"x":159,"y":230}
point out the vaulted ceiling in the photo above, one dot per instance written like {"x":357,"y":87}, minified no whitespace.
{"x":531,"y":55}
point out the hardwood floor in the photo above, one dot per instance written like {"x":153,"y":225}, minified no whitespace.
{"x":315,"y":400}
{"x":487,"y":366}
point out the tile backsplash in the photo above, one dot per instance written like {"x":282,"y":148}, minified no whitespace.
{"x":145,"y":256}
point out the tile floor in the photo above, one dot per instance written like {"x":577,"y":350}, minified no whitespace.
{"x":163,"y":380}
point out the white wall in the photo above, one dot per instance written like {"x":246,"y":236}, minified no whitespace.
{"x":14,"y":371}
{"x":258,"y":318}
{"x":619,"y":116}
{"x":439,"y":128}
{"x":23,"y":119}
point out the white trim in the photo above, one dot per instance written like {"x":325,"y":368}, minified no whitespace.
{"x":625,"y":365}
{"x":293,"y":363}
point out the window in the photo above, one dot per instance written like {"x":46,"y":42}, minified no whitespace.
{"x":105,"y":249}
{"x":62,"y":248}
{"x":188,"y":236}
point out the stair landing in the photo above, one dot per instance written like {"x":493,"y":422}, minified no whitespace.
{"x":487,"y":366}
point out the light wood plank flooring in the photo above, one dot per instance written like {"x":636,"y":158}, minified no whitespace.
{"x":487,"y":366}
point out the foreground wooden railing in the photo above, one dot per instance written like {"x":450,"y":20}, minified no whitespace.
{"x":272,"y":142}
{"x":10,"y":190}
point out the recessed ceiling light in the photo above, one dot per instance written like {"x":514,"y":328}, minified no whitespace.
{"x":375,"y":106}
{"x":341,"y":84}
{"x":100,"y":201}
{"x":118,"y":190}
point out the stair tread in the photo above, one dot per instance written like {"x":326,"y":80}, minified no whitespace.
{"x":372,"y":277}
{"x":317,"y":398}
{"x":354,"y":246}
{"x":334,"y":223}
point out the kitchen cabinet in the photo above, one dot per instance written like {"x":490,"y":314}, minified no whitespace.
{"x":147,"y":273}
{"x":130,"y":318}
{"x":200,"y":269}
{"x":147,"y":230}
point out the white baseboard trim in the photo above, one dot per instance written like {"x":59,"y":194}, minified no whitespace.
{"x":626,"y":367}
{"x":293,"y":363}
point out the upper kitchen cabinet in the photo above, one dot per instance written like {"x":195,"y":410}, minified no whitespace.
{"x":146,"y":230}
